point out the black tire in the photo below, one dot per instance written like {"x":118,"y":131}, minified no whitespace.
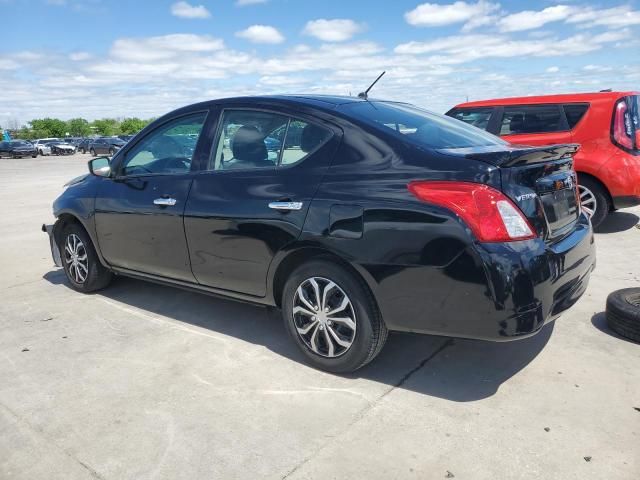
{"x":601,"y":196}
{"x":97,"y":276}
{"x":92,"y":152}
{"x":623,"y":313}
{"x":370,"y":332}
{"x":111,"y":152}
{"x":83,"y":151}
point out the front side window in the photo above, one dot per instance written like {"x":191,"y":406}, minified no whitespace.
{"x":166,"y":150}
{"x":420,"y":126}
{"x":531,"y":119}
{"x":251,"y":139}
{"x":478,"y":117}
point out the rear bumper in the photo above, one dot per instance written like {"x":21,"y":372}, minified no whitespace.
{"x":493,"y":292}
{"x":53,"y":244}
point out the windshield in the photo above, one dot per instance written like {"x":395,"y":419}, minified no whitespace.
{"x":20,"y":143}
{"x":421,"y":127}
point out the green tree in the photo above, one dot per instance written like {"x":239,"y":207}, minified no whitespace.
{"x":130,"y":126}
{"x":106,"y":126}
{"x":53,"y":127}
{"x":78,"y":127}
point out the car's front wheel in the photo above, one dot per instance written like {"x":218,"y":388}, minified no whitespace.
{"x":83,"y":151}
{"x":92,"y":152}
{"x":80,"y":261}
{"x":332,"y":317}
{"x":112,"y":152}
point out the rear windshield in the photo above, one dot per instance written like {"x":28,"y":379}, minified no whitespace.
{"x":419,"y":126}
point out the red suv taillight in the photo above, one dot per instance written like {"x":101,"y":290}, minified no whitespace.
{"x":490,"y":215}
{"x":622,"y":127}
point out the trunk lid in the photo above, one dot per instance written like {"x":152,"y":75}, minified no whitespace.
{"x":539,"y":180}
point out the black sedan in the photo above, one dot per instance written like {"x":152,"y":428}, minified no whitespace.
{"x":105,"y":146}
{"x":17,"y":149}
{"x":373,"y":216}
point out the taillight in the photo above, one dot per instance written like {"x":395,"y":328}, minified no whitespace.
{"x":622,"y":128}
{"x":490,"y":215}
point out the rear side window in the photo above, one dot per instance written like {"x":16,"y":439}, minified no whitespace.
{"x":420,"y":126}
{"x":478,"y":117}
{"x":574,"y":113}
{"x":254,"y":139}
{"x":531,"y":119}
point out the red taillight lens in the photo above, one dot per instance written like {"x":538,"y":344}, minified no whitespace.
{"x":490,"y":215}
{"x":622,"y":125}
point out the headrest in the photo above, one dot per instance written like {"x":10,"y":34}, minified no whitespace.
{"x":248,"y":145}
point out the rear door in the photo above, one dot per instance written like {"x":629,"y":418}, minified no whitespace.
{"x":253,"y":197}
{"x":534,"y":125}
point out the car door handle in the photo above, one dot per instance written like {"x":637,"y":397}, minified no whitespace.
{"x":286,"y":206}
{"x":165,"y":202}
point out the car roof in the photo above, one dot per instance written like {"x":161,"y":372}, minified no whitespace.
{"x":542,"y":99}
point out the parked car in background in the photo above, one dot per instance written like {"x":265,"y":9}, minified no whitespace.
{"x":605,"y":124}
{"x":42,"y":145}
{"x":61,"y":147}
{"x":105,"y":145}
{"x":17,"y":149}
{"x":83,"y":145}
{"x":125,"y":138}
{"x":372,"y":216}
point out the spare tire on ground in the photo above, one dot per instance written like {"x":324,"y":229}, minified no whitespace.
{"x":623,"y":312}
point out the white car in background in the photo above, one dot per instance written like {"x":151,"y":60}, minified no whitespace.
{"x":41,"y":145}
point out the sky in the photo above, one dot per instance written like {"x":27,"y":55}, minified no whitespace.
{"x":117,"y":58}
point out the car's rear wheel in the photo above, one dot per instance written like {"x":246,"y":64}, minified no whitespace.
{"x":332,"y":317}
{"x":594,"y":200}
{"x":111,"y":152}
{"x":92,"y":152}
{"x":83,"y":151}
{"x":80,"y":261}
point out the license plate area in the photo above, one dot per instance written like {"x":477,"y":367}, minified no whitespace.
{"x":560,"y":202}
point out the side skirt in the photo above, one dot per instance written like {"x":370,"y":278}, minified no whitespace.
{"x":194,"y":287}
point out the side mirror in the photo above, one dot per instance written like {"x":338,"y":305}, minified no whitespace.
{"x":100,"y":167}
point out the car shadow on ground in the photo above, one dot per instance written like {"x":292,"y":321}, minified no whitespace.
{"x":454,"y":369}
{"x":618,"y":222}
{"x":599,"y":320}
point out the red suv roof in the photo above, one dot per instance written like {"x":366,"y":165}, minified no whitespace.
{"x":539,"y":99}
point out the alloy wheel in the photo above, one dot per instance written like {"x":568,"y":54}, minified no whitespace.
{"x":324,"y":317}
{"x":588,"y":200}
{"x":75,"y":255}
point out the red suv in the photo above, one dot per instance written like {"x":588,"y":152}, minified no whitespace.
{"x":605,"y":124}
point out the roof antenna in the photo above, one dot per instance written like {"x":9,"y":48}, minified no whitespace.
{"x":365,"y":95}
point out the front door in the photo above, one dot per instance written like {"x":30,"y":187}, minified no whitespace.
{"x":139,"y":213}
{"x":253,"y":198}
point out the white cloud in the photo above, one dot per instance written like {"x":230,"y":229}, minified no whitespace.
{"x":186,"y":10}
{"x":261,"y":34}
{"x":435,"y":14}
{"x":553,"y":70}
{"x":162,"y":47}
{"x":530,"y":19}
{"x":79,"y":56}
{"x":337,"y":30}
{"x":622,"y":16}
{"x":242,"y":3}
